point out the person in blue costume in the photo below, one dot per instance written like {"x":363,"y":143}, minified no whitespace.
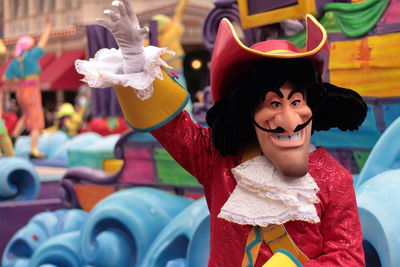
{"x":25,"y":70}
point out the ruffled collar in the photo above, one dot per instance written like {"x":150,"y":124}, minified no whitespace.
{"x":264,"y":196}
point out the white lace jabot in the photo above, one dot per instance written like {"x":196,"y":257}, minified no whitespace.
{"x":264,"y":196}
{"x":105,"y":70}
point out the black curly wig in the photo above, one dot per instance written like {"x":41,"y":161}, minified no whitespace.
{"x":231,"y":118}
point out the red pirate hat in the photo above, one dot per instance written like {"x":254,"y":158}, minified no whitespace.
{"x":231,"y":57}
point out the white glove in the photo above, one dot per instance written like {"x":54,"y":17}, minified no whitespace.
{"x":128,"y":34}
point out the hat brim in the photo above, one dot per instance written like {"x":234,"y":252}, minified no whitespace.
{"x":231,"y":57}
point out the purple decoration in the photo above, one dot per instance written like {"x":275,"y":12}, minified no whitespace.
{"x":224,"y":3}
{"x":104,"y":102}
{"x":385,"y":29}
{"x":229,"y":9}
{"x":79,"y":175}
{"x":256,"y":7}
{"x":223,"y":9}
{"x":153,"y":35}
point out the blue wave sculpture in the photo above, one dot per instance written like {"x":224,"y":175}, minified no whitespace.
{"x":30,"y":245}
{"x":122,"y":227}
{"x":185,"y":237}
{"x":18,"y":180}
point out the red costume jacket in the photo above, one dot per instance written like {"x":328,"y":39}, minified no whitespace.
{"x":335,"y":241}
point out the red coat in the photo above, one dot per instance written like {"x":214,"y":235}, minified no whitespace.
{"x":336,"y":241}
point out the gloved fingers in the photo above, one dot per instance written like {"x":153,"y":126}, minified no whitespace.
{"x":104,"y":23}
{"x":143,"y":31}
{"x":111,"y":14}
{"x":140,"y":34}
{"x":130,"y":12}
{"x":121,"y":8}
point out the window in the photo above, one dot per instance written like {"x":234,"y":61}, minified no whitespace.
{"x":52,"y":5}
{"x":40,"y":6}
{"x":1,"y":8}
{"x":14,"y":8}
{"x":67,"y":4}
{"x":25,"y":8}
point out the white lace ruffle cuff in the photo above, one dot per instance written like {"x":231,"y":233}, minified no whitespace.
{"x":105,"y":70}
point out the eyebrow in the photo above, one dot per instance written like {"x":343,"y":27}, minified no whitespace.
{"x":293,"y":92}
{"x":278,"y":93}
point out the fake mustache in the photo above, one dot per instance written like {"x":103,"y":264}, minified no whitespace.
{"x":282,"y":130}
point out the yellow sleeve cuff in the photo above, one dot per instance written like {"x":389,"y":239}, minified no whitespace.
{"x":168,"y":99}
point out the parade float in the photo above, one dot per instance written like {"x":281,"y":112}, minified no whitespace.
{"x":363,"y":39}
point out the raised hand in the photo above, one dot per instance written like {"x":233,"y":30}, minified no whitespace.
{"x":126,"y":30}
{"x":132,"y":65}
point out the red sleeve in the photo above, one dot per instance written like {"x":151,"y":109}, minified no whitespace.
{"x":340,"y":223}
{"x":190,"y":144}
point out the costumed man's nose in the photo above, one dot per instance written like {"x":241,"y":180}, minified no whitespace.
{"x":288,"y":119}
{"x":289,"y":123}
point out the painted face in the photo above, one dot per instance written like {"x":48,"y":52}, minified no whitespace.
{"x":286,"y":122}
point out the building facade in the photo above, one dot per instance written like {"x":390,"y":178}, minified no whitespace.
{"x":69,"y":17}
{"x":27,"y":17}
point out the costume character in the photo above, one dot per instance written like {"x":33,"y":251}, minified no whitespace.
{"x":25,"y":70}
{"x":67,"y":120}
{"x":265,"y":185}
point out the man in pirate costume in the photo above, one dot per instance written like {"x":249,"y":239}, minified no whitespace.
{"x":274,"y":199}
